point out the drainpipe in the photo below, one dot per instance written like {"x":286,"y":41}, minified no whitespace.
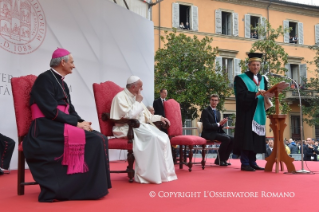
{"x":159,"y":25}
{"x":268,"y":13}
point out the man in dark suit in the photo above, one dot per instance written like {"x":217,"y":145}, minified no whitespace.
{"x":158,"y":104}
{"x":310,"y":150}
{"x":213,"y":130}
{"x":269,"y":148}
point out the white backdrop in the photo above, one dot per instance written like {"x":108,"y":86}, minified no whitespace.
{"x":108,"y":42}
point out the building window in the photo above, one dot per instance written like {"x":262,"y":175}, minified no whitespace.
{"x":295,"y":36}
{"x":229,"y":66}
{"x":297,"y":72}
{"x":187,"y":123}
{"x":226,"y":23}
{"x":254,"y":22}
{"x":184,"y":16}
{"x":295,"y":127}
{"x":229,"y":123}
{"x":185,"y":13}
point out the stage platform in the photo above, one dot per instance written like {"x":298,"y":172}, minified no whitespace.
{"x":213,"y":189}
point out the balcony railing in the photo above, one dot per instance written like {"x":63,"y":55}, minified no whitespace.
{"x":304,"y":94}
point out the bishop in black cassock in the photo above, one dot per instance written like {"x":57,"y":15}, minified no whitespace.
{"x":45,"y":144}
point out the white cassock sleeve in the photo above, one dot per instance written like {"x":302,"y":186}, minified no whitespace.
{"x":121,"y":108}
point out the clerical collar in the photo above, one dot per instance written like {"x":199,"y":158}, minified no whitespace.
{"x":58,"y":73}
{"x":162,"y":99}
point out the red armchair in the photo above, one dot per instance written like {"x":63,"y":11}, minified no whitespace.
{"x":104,"y":94}
{"x":173,"y":114}
{"x":21,"y":88}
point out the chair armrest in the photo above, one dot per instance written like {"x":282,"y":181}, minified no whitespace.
{"x":132,"y":123}
{"x":161,"y":125}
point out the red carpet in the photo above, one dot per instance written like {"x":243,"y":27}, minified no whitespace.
{"x":125,"y":196}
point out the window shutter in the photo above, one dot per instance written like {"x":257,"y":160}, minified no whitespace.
{"x":218,"y":64}
{"x":300,"y":33}
{"x":263,"y":24}
{"x":288,"y":73}
{"x":317,"y":34}
{"x":235,"y":24}
{"x":302,"y":73}
{"x":286,"y":35}
{"x":175,"y":15}
{"x":218,"y":22}
{"x":195,"y":18}
{"x":237,"y":68}
{"x":230,"y":72}
{"x":247,"y":26}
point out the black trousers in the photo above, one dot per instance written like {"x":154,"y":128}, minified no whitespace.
{"x":226,"y":145}
{"x":6,"y":151}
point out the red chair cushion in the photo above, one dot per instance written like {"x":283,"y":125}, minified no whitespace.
{"x":173,"y":114}
{"x":187,"y":140}
{"x":120,"y":143}
{"x":21,"y":88}
{"x":104,"y":94}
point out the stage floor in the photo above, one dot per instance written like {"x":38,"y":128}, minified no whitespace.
{"x":215,"y":188}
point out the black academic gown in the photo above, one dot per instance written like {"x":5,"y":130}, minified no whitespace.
{"x":44,"y":143}
{"x":246,"y":103}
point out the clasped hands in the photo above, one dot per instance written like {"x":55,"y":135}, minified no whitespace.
{"x":222,"y":122}
{"x":85,"y":125}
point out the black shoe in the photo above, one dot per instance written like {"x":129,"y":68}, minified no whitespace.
{"x":256,"y":167}
{"x":216,"y":161}
{"x":228,"y":164}
{"x":247,"y":168}
{"x":1,"y":172}
{"x":223,"y":163}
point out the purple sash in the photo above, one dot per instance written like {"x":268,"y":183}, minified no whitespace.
{"x":74,"y":142}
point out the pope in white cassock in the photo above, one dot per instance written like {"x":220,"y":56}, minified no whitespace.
{"x":151,"y":147}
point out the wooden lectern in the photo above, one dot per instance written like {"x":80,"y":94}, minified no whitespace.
{"x":277,"y":124}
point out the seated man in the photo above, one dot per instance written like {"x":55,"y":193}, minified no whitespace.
{"x":66,"y":157}
{"x":151,"y":147}
{"x":151,"y":109}
{"x":6,"y":151}
{"x":269,"y":148}
{"x":213,"y":130}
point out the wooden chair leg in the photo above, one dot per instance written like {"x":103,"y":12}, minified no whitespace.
{"x":130,"y":160}
{"x":181,"y":160}
{"x":203,"y":156}
{"x":21,"y":173}
{"x":190,"y":157}
{"x":174,"y":154}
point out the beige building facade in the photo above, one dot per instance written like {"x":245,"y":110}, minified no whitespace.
{"x":229,"y":21}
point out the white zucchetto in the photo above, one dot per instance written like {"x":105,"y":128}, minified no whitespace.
{"x":132,"y":79}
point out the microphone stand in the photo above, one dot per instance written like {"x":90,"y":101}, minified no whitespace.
{"x":302,"y":171}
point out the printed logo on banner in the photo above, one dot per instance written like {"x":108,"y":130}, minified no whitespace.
{"x":22,"y":26}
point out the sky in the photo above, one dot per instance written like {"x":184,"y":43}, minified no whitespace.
{"x":310,"y":2}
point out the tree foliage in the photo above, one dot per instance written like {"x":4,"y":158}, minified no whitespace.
{"x":186,"y":68}
{"x":312,"y":109}
{"x":274,"y":58}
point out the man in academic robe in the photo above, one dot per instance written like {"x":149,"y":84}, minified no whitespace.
{"x":66,"y":157}
{"x":213,"y":130}
{"x":6,"y":151}
{"x":151,"y":147}
{"x":250,"y":114}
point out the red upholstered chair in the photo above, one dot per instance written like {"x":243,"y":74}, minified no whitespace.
{"x":173,"y":114}
{"x":21,"y":88}
{"x":104,"y":94}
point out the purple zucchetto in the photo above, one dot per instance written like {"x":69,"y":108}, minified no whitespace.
{"x":59,"y":52}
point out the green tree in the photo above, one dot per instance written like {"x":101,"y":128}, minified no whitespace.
{"x":185,"y":67}
{"x":274,"y":58}
{"x":311,"y":109}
